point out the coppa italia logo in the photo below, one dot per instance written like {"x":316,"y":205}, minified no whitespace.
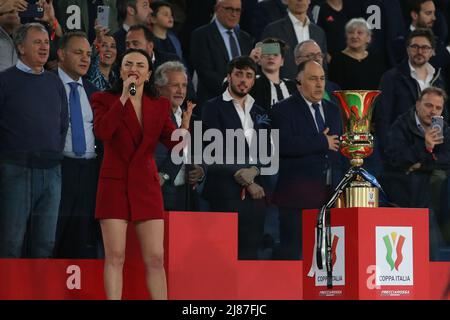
{"x":391,"y":241}
{"x":394,"y":256}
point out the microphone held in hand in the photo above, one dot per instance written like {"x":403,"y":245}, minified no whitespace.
{"x":132,"y":89}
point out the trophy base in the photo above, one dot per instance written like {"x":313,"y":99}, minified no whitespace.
{"x":361,"y":194}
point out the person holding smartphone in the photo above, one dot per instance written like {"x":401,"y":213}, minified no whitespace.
{"x":417,"y":154}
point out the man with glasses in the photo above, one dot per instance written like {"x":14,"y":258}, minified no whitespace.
{"x":216,"y":44}
{"x":401,"y":86}
{"x":423,"y":14}
{"x":310,"y":50}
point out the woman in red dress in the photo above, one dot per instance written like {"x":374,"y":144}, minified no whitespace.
{"x":130,"y":127}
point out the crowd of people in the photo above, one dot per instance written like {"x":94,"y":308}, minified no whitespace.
{"x":87,"y":112}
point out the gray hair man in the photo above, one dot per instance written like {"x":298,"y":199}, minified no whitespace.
{"x":177,"y":181}
{"x":33,"y":127}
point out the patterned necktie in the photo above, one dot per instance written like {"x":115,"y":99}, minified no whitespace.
{"x":233,"y":45}
{"x":319,"y":119}
{"x":76,"y":121}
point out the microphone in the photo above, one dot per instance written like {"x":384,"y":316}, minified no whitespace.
{"x":132,"y":89}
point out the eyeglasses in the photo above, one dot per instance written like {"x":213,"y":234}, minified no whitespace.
{"x":311,"y":56}
{"x":416,"y":47}
{"x":231,"y":10}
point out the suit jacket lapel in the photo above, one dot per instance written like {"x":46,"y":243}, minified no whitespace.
{"x":234,"y":121}
{"x":174,"y":120}
{"x":289,"y":31}
{"x":218,"y":40}
{"x":306,"y":111}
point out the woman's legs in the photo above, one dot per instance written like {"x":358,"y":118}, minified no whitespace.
{"x":114,"y":232}
{"x":151,"y":237}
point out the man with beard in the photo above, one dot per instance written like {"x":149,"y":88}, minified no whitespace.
{"x":401,"y":86}
{"x":130,"y":13}
{"x":233,"y":182}
{"x":423,"y":14}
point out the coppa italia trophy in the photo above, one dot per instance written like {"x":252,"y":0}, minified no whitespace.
{"x":361,"y":188}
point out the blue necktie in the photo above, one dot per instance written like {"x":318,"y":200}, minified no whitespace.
{"x":233,"y":45}
{"x":319,"y":119}
{"x":76,"y":121}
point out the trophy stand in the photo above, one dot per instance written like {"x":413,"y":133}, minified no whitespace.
{"x":361,"y":188}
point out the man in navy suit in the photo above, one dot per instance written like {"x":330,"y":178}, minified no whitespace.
{"x":78,"y":233}
{"x":237,"y":186}
{"x":215,"y":44}
{"x":309,"y":129}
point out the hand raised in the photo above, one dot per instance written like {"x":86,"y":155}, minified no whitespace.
{"x":187,"y":114}
{"x":333,"y":140}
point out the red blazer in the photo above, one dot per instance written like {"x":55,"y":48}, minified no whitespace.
{"x":128,"y":186}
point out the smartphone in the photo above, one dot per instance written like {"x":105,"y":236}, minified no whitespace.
{"x":103,"y":16}
{"x":270,"y":48}
{"x":33,"y":11}
{"x":437,"y":122}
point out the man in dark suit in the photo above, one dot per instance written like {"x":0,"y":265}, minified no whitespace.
{"x":293,"y":29}
{"x":423,"y":14}
{"x":178,"y":181}
{"x":78,"y":233}
{"x":215,"y":44}
{"x":236,"y":185}
{"x":309,"y":129}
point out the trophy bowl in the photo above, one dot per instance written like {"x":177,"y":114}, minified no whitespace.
{"x":357,"y":106}
{"x":357,"y":143}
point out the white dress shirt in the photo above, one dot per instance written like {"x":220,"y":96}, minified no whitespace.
{"x":243,"y":113}
{"x":423,"y":83}
{"x":301,"y":30}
